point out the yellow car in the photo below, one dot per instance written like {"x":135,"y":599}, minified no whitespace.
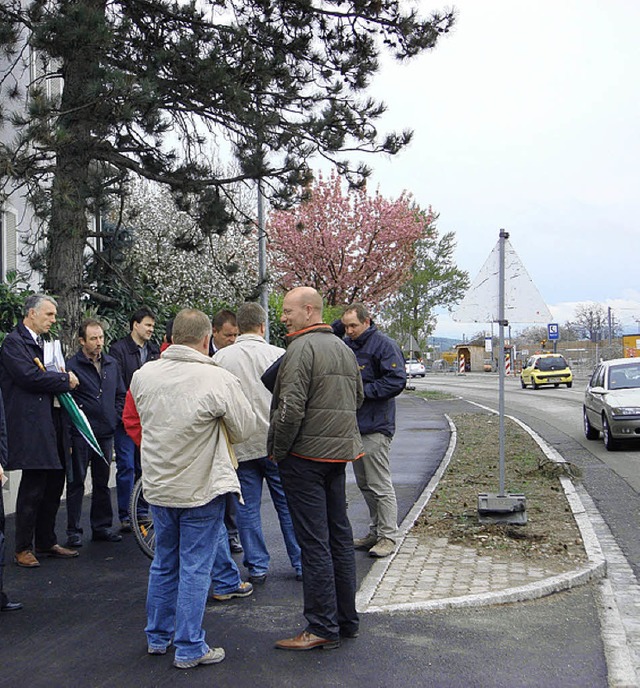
{"x":546,"y":369}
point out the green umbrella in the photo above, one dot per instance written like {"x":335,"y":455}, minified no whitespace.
{"x":81,"y":422}
{"x":78,"y":418}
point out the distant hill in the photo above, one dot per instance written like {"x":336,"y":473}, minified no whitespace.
{"x":444,"y":343}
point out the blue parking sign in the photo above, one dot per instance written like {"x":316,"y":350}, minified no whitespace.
{"x":553,"y":330}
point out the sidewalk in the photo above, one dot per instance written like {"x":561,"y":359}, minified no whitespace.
{"x":439,"y":575}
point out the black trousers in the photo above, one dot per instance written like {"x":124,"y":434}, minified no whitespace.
{"x":36,"y":508}
{"x":316,"y":495}
{"x":230,"y":515}
{"x":39,"y":498}
{"x":3,"y":596}
{"x":82,"y":456}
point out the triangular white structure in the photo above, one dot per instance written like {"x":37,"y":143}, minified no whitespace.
{"x":522,"y":300}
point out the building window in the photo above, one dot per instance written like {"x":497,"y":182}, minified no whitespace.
{"x":8,"y":243}
{"x":45,"y":74}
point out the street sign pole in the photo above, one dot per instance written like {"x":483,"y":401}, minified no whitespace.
{"x":501,"y":507}
{"x":503,"y":236}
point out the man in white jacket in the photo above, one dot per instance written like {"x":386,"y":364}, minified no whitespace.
{"x":247,"y":359}
{"x":189,"y":409}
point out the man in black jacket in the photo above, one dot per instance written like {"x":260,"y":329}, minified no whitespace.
{"x":131,"y":352}
{"x":5,"y":605}
{"x":101,"y":396}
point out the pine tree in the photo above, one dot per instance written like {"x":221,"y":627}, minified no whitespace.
{"x":148,"y":84}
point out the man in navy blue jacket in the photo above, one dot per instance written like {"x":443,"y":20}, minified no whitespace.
{"x":100,"y":395}
{"x":383,"y":376}
{"x":131,"y":352}
{"x":35,"y":431}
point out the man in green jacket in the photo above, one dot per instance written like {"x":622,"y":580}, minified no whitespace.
{"x":313,"y":434}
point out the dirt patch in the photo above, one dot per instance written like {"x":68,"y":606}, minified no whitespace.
{"x":550,"y":537}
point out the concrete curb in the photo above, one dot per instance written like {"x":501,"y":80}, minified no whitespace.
{"x":593,"y":570}
{"x":376,"y":572}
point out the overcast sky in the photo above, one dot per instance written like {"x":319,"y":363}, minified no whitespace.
{"x":527,"y":118}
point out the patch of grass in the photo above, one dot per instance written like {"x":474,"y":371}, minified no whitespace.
{"x":432,"y":394}
{"x":550,"y":533}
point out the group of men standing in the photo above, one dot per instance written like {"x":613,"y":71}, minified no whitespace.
{"x":39,"y":440}
{"x":197,"y":418}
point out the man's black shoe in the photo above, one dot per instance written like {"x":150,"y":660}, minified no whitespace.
{"x":11,"y":607}
{"x":349,"y":633}
{"x":235,"y":546}
{"x":74,"y":541}
{"x":258,"y":580}
{"x":105,"y":536}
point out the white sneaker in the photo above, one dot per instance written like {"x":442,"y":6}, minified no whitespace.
{"x":213,"y":656}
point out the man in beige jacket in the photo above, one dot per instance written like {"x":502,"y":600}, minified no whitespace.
{"x":184,"y":403}
{"x":247,"y":359}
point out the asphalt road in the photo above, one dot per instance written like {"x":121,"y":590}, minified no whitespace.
{"x":83,"y":621}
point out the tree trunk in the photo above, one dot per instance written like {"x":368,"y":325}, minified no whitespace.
{"x":70,"y":192}
{"x":65,"y":254}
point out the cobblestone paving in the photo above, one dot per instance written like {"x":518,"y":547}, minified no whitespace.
{"x":421,"y":572}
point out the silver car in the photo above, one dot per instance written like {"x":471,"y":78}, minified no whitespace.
{"x":612,"y":402}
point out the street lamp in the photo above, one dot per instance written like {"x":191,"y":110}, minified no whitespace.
{"x":262,"y":258}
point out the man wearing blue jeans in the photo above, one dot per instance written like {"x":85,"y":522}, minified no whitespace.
{"x":252,"y":475}
{"x":186,"y":410}
{"x":247,"y":359}
{"x":131,"y":352}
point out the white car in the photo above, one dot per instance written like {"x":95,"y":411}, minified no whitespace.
{"x":612,"y":402}
{"x":414,"y":368}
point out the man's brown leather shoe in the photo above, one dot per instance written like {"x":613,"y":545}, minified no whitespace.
{"x":59,"y":552}
{"x":26,"y":559}
{"x":307,"y":641}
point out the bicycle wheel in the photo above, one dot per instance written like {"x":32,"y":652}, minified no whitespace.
{"x":142,"y":521}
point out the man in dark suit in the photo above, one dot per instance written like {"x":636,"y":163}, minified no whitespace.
{"x":35,"y":431}
{"x":100,"y":395}
{"x":131,"y":352}
{"x":5,"y":605}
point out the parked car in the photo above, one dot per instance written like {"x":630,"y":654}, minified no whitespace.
{"x":612,"y":402}
{"x":414,"y":368}
{"x":546,"y":369}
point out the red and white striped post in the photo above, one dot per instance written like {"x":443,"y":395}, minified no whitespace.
{"x":507,"y":363}
{"x":461,"y":365}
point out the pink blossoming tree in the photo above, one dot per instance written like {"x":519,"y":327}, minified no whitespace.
{"x":349,"y":246}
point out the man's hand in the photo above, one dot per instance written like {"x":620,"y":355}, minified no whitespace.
{"x":73,"y":380}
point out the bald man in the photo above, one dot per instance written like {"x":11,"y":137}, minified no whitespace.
{"x":313,"y":434}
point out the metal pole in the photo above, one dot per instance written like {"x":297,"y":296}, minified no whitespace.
{"x":502,"y":322}
{"x":262,"y":258}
